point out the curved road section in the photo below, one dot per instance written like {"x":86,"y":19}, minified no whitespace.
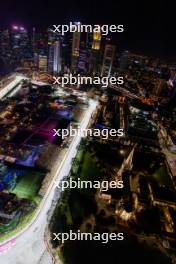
{"x":28,"y":246}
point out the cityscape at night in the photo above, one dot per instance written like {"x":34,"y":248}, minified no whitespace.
{"x":87,"y":132}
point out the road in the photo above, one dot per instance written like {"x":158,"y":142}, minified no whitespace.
{"x":6,"y":89}
{"x":124,"y":91}
{"x":29,"y":247}
{"x":170,"y":156}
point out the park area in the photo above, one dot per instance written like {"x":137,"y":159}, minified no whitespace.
{"x":28,"y":185}
{"x":77,"y":204}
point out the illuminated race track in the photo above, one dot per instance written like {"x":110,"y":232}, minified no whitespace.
{"x":124,"y":91}
{"x":12,"y":85}
{"x":28,"y":246}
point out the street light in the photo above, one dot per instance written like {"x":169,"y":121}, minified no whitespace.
{"x":122,"y":152}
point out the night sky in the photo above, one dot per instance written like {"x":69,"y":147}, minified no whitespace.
{"x":150,"y":25}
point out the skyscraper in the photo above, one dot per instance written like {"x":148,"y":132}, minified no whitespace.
{"x":4,"y":42}
{"x":54,"y":52}
{"x":20,"y":44}
{"x":39,"y":45}
{"x":94,"y":65}
{"x":96,"y":40}
{"x":108,"y":60}
{"x":5,"y":52}
{"x":42,"y":63}
{"x":75,"y":49}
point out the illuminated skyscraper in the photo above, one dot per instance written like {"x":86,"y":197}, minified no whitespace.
{"x":54,"y":52}
{"x":57,"y":56}
{"x":6,"y":62}
{"x":4,"y":42}
{"x":34,"y":41}
{"x":94,"y":66}
{"x":96,"y":40}
{"x":75,"y":49}
{"x":42,"y":63}
{"x":76,"y":42}
{"x":20,"y":43}
{"x":108,"y":60}
{"x":39,"y":45}
{"x":125,"y":60}
{"x":82,"y":62}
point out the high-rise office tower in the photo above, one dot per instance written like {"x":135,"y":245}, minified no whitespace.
{"x":108,"y":60}
{"x":75,"y":49}
{"x":54,"y":52}
{"x":4,"y":42}
{"x":125,"y":60}
{"x":20,"y":43}
{"x":96,"y":40}
{"x":94,"y":65}
{"x":82,"y":62}
{"x":34,"y":41}
{"x":39,"y":45}
{"x":5,"y":52}
{"x":42,"y":63}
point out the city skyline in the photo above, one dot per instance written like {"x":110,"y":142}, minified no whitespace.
{"x":87,"y":132}
{"x":149,"y":28}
